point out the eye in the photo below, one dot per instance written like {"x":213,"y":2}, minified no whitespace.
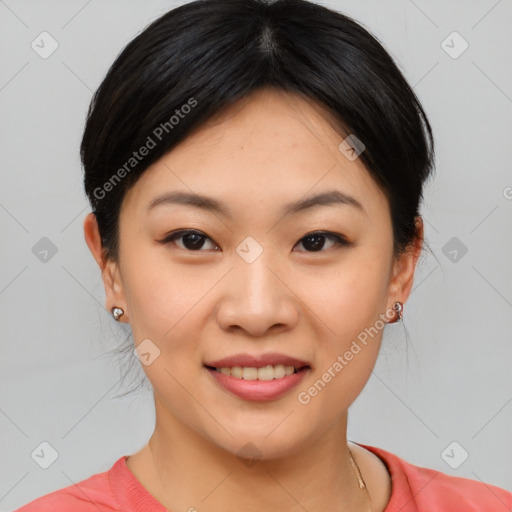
{"x":192,"y":240}
{"x":315,"y":242}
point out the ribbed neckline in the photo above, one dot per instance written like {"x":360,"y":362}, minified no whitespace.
{"x":132,"y":496}
{"x":129,"y":493}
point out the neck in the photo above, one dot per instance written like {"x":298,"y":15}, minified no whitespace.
{"x":190,"y":472}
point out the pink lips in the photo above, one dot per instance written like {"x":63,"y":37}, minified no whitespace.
{"x":256,"y":361}
{"x":257,"y":390}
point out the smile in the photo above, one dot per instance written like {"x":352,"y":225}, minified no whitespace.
{"x":265,"y":373}
{"x":257,"y":384}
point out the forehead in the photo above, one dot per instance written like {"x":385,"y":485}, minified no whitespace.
{"x":270,"y":147}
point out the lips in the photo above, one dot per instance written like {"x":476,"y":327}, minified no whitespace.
{"x":258,"y":377}
{"x":257,"y":361}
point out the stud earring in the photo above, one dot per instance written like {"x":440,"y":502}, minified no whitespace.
{"x":399,"y":308}
{"x":117,"y":313}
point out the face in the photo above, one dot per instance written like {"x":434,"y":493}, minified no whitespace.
{"x":251,"y":278}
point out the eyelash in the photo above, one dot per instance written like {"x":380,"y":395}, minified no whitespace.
{"x":338,"y":239}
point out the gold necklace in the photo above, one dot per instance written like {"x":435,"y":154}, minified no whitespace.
{"x":355,"y":468}
{"x":362,"y":483}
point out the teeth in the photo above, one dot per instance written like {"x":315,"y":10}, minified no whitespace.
{"x":279,"y":371}
{"x":249,"y":373}
{"x":265,"y":373}
{"x":236,"y":371}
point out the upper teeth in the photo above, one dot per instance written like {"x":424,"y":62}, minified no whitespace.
{"x":264,"y":373}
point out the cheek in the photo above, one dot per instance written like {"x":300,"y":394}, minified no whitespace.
{"x":349,"y":304}
{"x":347,"y":297}
{"x":162,"y":297}
{"x":166,"y":308}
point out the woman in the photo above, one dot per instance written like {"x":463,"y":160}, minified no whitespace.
{"x":255,"y":173}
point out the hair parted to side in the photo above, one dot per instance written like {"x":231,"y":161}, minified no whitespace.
{"x":203,"y":56}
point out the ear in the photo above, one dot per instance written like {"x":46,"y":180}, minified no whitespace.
{"x":402,"y":277}
{"x":109,"y":269}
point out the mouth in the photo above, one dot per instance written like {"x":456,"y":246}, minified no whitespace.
{"x":258,"y":378}
{"x":264,"y":373}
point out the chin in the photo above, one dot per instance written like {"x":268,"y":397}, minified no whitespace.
{"x":262,"y":442}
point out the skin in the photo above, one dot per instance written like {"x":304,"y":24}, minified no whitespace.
{"x":269,"y":149}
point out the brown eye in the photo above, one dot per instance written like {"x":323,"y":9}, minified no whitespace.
{"x":315,"y":242}
{"x":191,"y":240}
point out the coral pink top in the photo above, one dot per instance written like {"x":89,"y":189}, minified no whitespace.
{"x":413,"y":489}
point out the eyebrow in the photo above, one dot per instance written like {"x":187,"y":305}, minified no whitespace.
{"x":328,"y":198}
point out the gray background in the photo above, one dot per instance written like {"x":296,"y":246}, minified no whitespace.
{"x":448,"y":380}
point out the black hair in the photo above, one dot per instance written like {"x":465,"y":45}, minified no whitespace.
{"x":203,"y":56}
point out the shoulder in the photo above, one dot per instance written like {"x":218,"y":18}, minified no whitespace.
{"x":419,"y":489}
{"x":92,"y":494}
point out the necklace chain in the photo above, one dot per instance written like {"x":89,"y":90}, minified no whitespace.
{"x":355,"y":468}
{"x":362,"y":483}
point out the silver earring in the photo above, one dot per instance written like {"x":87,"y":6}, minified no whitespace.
{"x":117,"y":313}
{"x":399,"y":308}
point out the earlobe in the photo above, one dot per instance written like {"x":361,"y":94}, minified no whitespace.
{"x":109,"y":269}
{"x":404,"y":268}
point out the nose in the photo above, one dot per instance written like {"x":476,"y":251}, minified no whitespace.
{"x":257,"y":299}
